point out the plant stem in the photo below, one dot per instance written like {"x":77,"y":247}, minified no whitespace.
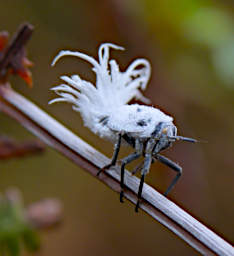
{"x":156,"y":205}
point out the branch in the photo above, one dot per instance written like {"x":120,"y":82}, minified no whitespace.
{"x":156,"y":205}
{"x":9,"y":148}
{"x":13,"y":55}
{"x":18,"y":41}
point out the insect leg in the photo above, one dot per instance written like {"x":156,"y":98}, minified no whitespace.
{"x":144,"y":171}
{"x":115,"y":155}
{"x":138,"y":168}
{"x":173,"y":166}
{"x":125,"y":161}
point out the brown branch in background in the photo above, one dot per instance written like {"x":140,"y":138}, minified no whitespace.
{"x":47,"y":212}
{"x":13,"y":55}
{"x":156,"y":205}
{"x":9,"y":148}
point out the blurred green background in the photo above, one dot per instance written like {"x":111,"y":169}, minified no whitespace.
{"x":190,"y":44}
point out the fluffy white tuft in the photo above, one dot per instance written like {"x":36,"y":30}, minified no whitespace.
{"x":113,"y":88}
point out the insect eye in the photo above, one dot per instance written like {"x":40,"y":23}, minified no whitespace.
{"x":164,"y":130}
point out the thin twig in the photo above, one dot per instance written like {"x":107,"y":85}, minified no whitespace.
{"x":17,"y":43}
{"x":10,"y":148}
{"x":13,"y":58}
{"x":156,"y":205}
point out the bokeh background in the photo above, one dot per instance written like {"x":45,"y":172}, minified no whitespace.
{"x":190,"y":44}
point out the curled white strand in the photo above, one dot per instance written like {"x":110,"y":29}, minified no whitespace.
{"x":57,"y":100}
{"x":144,"y":72}
{"x":66,"y":88}
{"x":67,"y":97}
{"x":104,"y":52}
{"x":76,"y":54}
{"x":113,"y":88}
{"x":141,"y":97}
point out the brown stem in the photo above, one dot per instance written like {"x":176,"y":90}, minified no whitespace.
{"x":156,"y":205}
{"x":17,"y":43}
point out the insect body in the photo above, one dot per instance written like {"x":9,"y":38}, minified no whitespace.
{"x":105,"y":111}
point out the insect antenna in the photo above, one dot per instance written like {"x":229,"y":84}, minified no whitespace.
{"x":174,"y":138}
{"x":186,"y":139}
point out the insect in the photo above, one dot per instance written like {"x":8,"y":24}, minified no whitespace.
{"x":105,"y":110}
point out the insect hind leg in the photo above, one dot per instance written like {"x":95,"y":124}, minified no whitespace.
{"x":174,"y":167}
{"x":114,"y":157}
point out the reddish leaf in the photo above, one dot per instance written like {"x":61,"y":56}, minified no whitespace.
{"x":13,"y":58}
{"x":4,"y":36}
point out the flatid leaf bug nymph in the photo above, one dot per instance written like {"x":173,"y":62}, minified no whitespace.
{"x":105,"y":110}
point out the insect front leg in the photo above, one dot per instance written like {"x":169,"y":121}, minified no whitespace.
{"x":114,"y":157}
{"x":147,"y":163}
{"x":127,"y":160}
{"x":144,"y":171}
{"x":173,"y":166}
{"x":138,"y":168}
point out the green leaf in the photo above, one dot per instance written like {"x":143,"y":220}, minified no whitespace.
{"x":31,"y":239}
{"x":13,"y":246}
